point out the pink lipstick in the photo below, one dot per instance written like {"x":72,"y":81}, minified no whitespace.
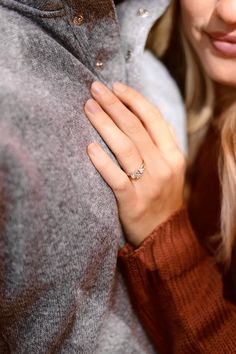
{"x":224,"y":44}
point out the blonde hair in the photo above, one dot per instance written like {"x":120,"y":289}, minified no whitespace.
{"x":200,"y":104}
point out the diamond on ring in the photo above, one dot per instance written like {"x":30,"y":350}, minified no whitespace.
{"x":137,"y":173}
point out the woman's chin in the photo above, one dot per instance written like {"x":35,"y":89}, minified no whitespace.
{"x":221,"y":70}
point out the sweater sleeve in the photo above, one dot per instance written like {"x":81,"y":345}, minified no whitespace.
{"x":177,"y":290}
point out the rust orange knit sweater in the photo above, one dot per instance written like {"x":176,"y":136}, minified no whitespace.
{"x":187,"y":305}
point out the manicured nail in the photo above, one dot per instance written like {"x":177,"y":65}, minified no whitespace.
{"x":97,"y":87}
{"x":92,"y":106}
{"x":119,"y":87}
{"x":93,"y":149}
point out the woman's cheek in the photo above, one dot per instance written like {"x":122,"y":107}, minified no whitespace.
{"x":195,"y":15}
{"x":197,"y":8}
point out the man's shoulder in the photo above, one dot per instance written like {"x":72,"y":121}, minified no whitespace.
{"x":32,"y":62}
{"x":14,"y":25}
{"x":24,"y":42}
{"x":18,"y":38}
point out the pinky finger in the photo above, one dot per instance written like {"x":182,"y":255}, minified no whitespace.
{"x":111,"y":173}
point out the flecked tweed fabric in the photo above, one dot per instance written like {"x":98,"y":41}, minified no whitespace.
{"x":60,"y":289}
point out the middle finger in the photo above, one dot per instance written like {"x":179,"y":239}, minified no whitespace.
{"x":123,"y":118}
{"x":123,"y":148}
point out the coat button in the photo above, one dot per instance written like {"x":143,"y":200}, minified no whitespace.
{"x":143,"y":12}
{"x":128,"y":55}
{"x":78,"y":20}
{"x":99,"y":64}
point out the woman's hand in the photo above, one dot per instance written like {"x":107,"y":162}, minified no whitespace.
{"x":136,"y":132}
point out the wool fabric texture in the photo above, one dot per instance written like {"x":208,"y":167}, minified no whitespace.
{"x":60,"y":288}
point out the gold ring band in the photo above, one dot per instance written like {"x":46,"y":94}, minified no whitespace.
{"x":137,"y":174}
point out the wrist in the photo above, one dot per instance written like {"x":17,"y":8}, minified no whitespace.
{"x":136,"y":234}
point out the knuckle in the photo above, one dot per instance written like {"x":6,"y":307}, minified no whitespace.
{"x":105,"y":126}
{"x":154,"y":187}
{"x":166,"y":174}
{"x":134,"y":94}
{"x":133,"y":128}
{"x":105,"y":165}
{"x":127,"y":150}
{"x":154,"y":194}
{"x":156,"y":191}
{"x":111,"y":100}
{"x":121,"y":186}
{"x":153,"y":116}
{"x":179,"y":162}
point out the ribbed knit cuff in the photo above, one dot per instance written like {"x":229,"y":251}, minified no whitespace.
{"x":172,"y":248}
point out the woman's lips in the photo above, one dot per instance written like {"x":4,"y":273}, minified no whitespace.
{"x":224,"y":44}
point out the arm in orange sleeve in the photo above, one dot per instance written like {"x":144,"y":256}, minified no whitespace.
{"x":177,"y":290}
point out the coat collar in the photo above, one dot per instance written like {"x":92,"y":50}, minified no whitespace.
{"x":106,"y":34}
{"x":95,"y":8}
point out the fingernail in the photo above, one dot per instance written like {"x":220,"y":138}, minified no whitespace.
{"x":97,"y":87}
{"x":91,"y":106}
{"x":93,"y":149}
{"x":119,"y":87}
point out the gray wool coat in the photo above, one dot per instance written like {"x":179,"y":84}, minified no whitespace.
{"x":60,"y":288}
